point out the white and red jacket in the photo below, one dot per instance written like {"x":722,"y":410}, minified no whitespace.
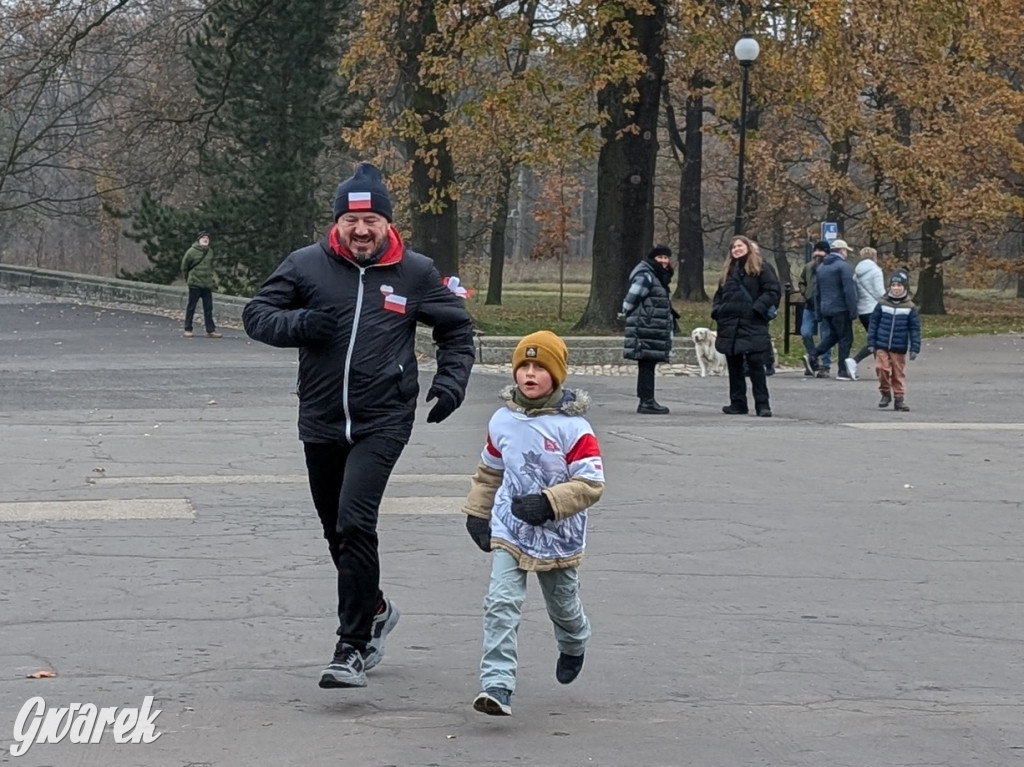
{"x":553,"y":451}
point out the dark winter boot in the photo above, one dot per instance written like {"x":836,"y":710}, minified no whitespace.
{"x":651,"y":407}
{"x":886,"y":399}
{"x":899,"y":404}
{"x":568,"y":667}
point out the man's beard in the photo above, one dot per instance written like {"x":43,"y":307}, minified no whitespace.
{"x":371,"y":249}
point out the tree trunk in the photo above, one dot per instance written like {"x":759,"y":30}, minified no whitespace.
{"x":929,"y":298}
{"x":779,"y":247}
{"x":499,"y":225}
{"x":625,"y":173}
{"x":839,"y":162}
{"x":433,"y":208}
{"x":435,"y":221}
{"x":690,"y":286}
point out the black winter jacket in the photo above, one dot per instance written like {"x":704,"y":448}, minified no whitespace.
{"x":649,"y":320}
{"x":742,"y":320}
{"x":364,"y":379}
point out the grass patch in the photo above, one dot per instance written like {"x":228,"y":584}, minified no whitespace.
{"x":526,"y":309}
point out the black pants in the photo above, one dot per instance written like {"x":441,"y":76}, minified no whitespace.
{"x":835,"y":329}
{"x":864,"y":353}
{"x":645,"y":379}
{"x":194,"y":294}
{"x":347,"y":483}
{"x":738,"y":382}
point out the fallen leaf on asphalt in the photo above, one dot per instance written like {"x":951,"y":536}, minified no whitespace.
{"x":908,"y":487}
{"x":212,"y":402}
{"x":42,"y":674}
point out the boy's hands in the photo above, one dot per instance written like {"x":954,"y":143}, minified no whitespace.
{"x":533,"y":509}
{"x":479,"y":530}
{"x":913,"y":356}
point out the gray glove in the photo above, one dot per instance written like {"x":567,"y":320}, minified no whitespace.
{"x":913,"y":356}
{"x":479,"y":530}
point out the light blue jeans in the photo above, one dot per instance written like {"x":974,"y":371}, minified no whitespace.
{"x":503,"y":610}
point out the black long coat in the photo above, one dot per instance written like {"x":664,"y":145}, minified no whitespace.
{"x":742,"y":320}
{"x":649,"y":321}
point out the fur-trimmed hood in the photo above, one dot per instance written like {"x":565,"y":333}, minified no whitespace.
{"x":573,"y":402}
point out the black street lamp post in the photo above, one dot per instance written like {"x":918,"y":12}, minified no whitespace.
{"x":746,"y":50}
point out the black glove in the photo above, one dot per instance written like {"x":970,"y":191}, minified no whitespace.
{"x":675,"y":315}
{"x":319,"y":324}
{"x":445,"y":406}
{"x":533,"y":509}
{"x":479,"y":530}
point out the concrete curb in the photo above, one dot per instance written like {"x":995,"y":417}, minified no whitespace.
{"x":143,"y":296}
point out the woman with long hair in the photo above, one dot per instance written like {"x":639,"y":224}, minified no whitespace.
{"x":747,"y":292}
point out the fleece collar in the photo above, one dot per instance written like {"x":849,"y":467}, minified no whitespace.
{"x":573,"y":402}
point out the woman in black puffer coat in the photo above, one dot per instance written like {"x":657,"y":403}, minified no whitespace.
{"x":747,"y":291}
{"x":650,"y":320}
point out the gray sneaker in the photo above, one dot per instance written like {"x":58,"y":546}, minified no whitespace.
{"x":496,"y":701}
{"x":345,"y":669}
{"x":383,"y":624}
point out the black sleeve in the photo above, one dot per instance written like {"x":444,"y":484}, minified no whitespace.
{"x":446,"y":313}
{"x":770,"y":291}
{"x":274,"y":315}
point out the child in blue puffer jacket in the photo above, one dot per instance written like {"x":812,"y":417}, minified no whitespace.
{"x":894,"y":329}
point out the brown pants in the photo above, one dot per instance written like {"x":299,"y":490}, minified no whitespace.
{"x":891,"y":368}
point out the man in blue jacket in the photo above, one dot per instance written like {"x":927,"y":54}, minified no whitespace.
{"x":835,"y":296}
{"x":350,"y":304}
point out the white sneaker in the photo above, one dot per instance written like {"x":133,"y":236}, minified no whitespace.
{"x":851,"y":368}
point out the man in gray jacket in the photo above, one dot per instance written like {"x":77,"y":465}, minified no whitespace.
{"x":836,"y":300}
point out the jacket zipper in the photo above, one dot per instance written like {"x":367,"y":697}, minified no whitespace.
{"x":348,"y":354}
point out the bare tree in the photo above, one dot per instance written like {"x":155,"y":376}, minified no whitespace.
{"x":92,"y":104}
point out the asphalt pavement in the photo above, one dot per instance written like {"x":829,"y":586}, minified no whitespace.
{"x":837,"y":585}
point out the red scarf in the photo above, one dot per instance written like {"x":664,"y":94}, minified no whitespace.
{"x":392,"y":254}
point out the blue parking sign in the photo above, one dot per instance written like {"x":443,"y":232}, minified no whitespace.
{"x":829,"y":231}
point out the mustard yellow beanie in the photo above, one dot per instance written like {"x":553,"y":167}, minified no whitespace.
{"x":547,"y":350}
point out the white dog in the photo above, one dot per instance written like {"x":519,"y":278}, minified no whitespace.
{"x":708,"y":357}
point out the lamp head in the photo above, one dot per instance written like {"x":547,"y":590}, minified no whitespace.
{"x":746,"y":50}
